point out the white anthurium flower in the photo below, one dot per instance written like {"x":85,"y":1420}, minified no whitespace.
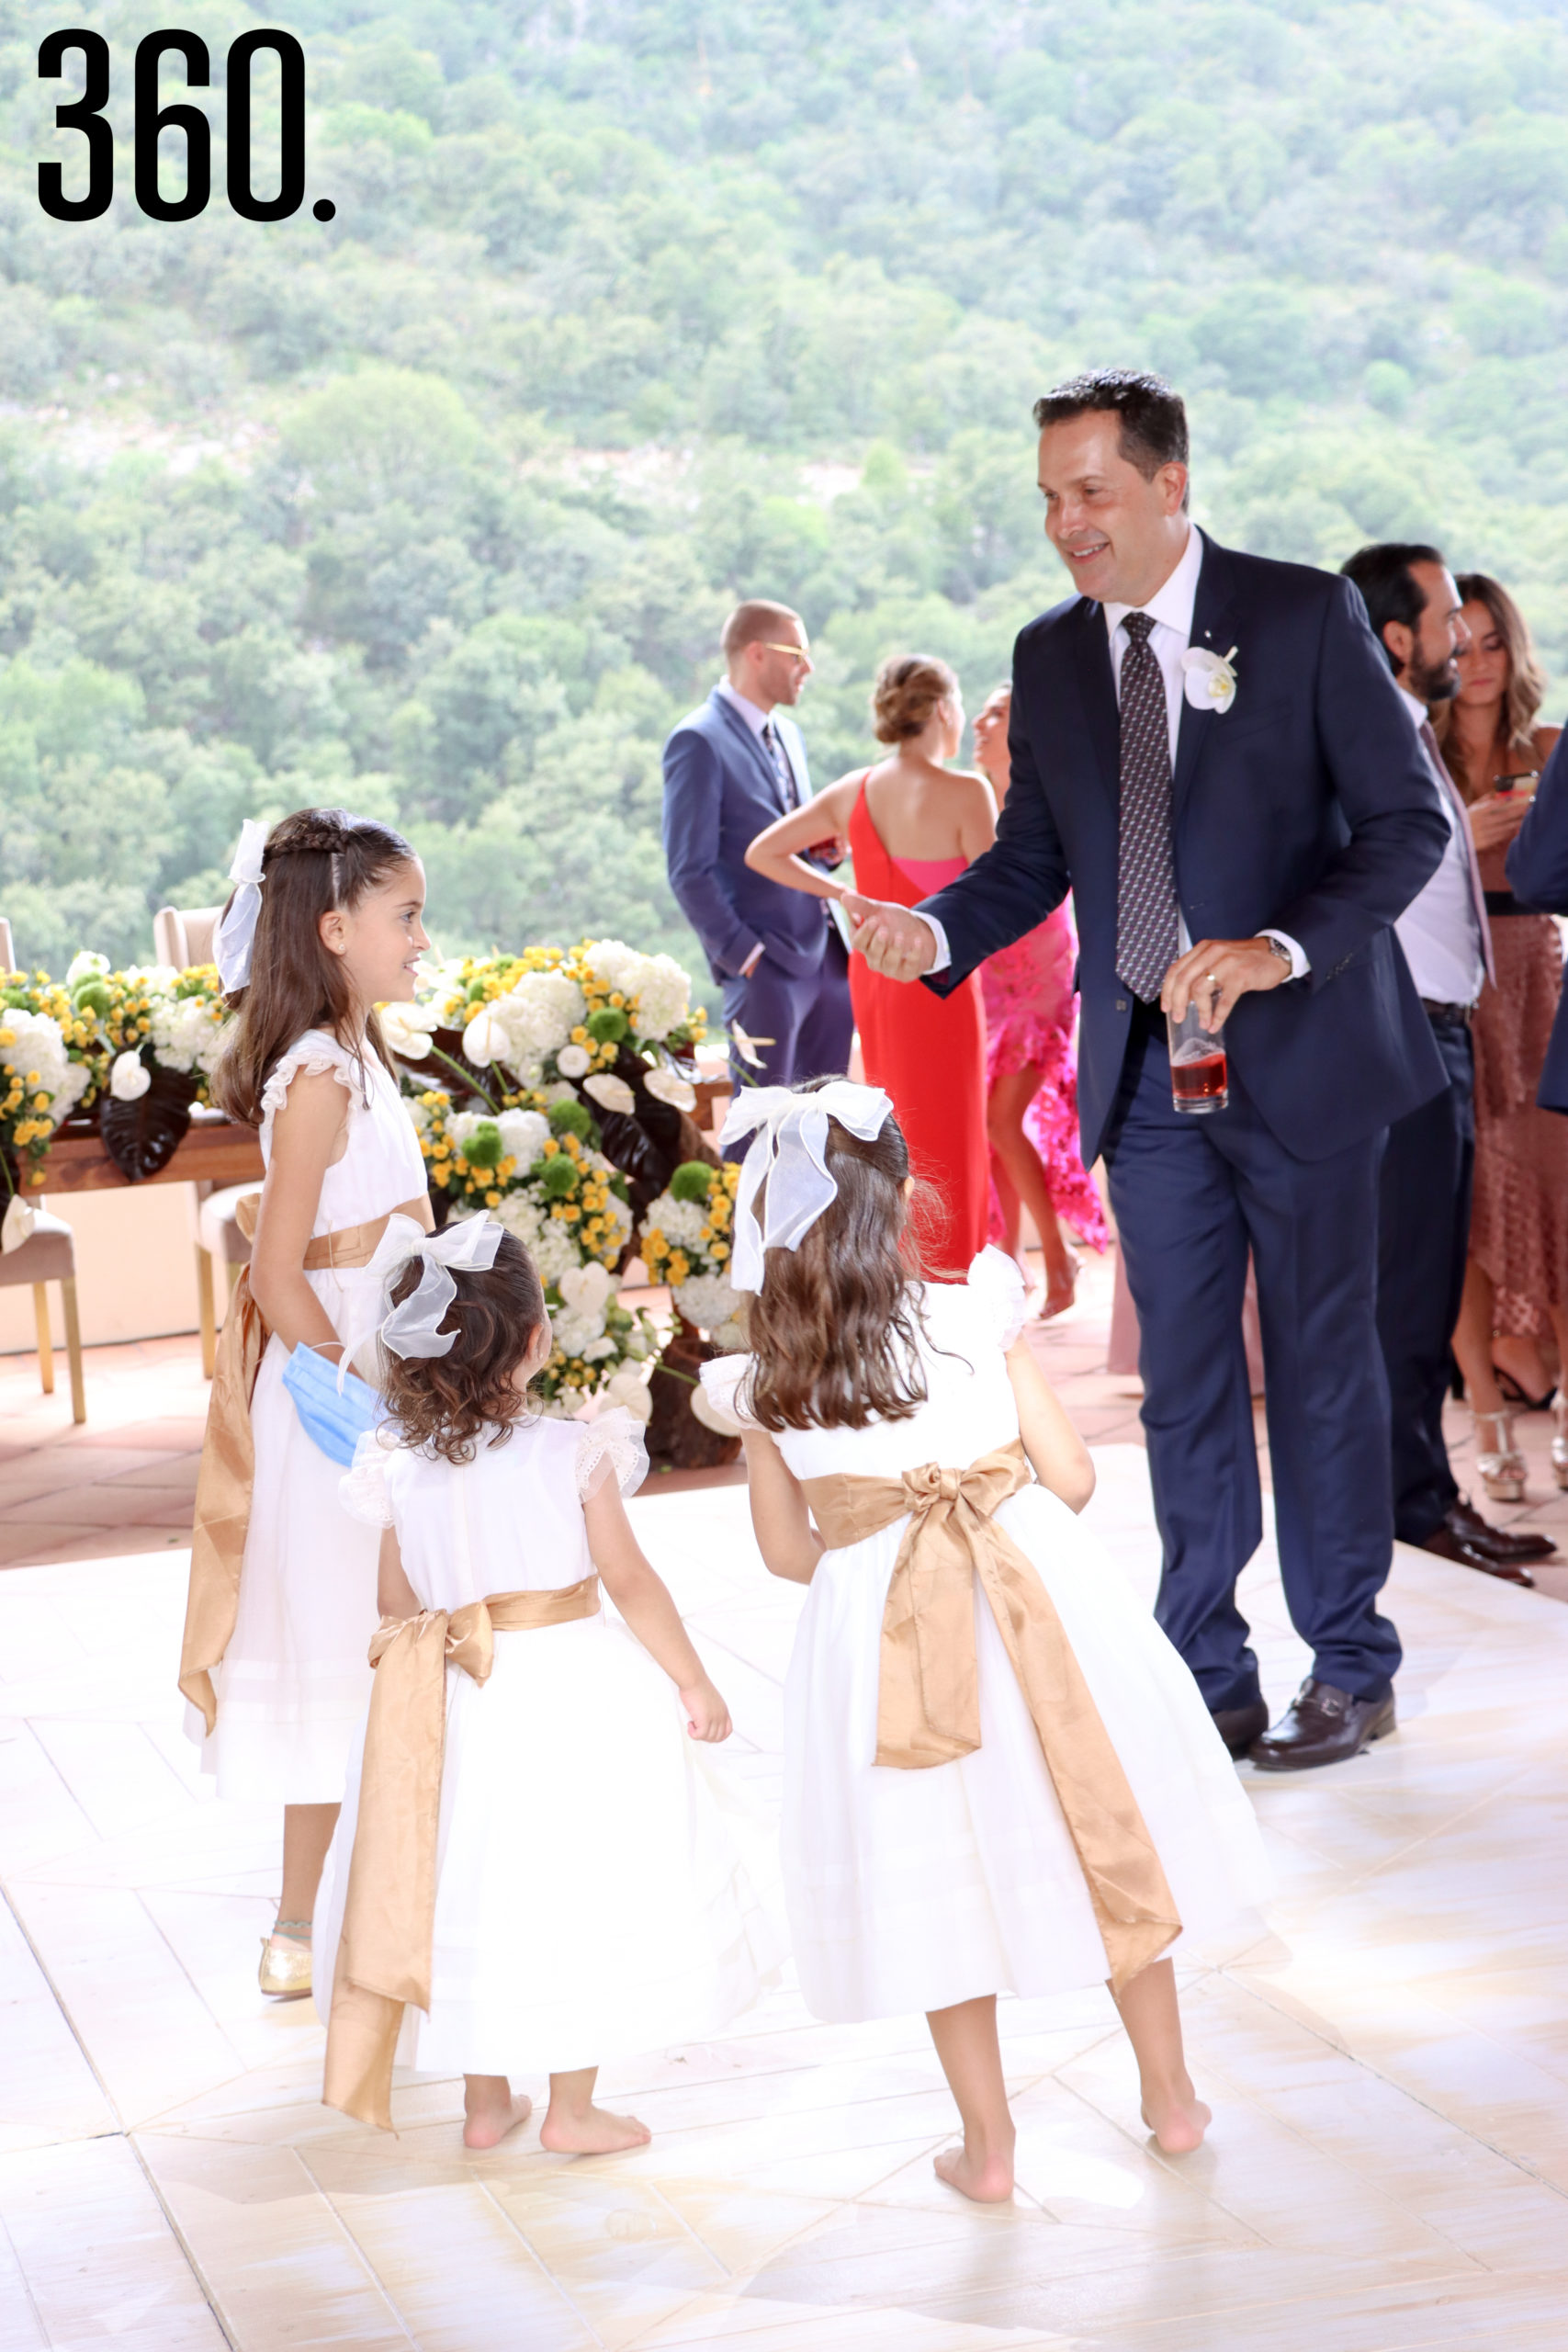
{"x":611,"y":1093}
{"x":628,"y":1390}
{"x":484,"y":1039}
{"x":16,"y":1224}
{"x":669,"y":1086}
{"x":407,"y":1029}
{"x":587,"y":1290}
{"x":1209,"y":679}
{"x":574,"y":1061}
{"x":129,"y":1078}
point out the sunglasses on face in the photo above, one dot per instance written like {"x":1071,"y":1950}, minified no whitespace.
{"x":796,"y":652}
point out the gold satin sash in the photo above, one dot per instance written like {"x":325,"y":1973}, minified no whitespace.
{"x":389,"y":1918}
{"x":929,"y":1696}
{"x":228,"y":1470}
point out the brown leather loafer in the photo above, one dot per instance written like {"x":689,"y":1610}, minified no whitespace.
{"x":1498,"y":1543}
{"x":1321,"y":1726}
{"x":1239,"y":1726}
{"x":1453,"y":1543}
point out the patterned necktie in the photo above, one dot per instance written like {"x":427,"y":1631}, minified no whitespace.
{"x":782,"y":768}
{"x":1147,"y":917}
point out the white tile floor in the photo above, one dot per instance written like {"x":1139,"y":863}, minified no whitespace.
{"x":1389,"y":2069}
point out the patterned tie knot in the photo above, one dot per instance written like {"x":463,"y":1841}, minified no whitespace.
{"x":1138,"y":626}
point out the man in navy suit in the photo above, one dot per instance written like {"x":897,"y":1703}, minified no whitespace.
{"x":730,"y":768}
{"x":1537,"y":873}
{"x":1210,"y":747}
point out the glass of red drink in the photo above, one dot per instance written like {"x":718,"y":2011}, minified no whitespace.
{"x":1198,"y":1075}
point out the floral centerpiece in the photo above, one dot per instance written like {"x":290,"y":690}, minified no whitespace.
{"x":158,"y":1032}
{"x":47,"y":1070}
{"x":537,"y":1168}
{"x":685,"y":1240}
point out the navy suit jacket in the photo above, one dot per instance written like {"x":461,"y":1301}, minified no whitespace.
{"x":720,"y":792}
{"x":1306,"y":807}
{"x":1538,"y":873}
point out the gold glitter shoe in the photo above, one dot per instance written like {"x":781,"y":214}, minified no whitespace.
{"x":284,"y":1971}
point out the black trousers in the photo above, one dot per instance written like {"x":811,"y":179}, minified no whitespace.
{"x":1429,"y":1172}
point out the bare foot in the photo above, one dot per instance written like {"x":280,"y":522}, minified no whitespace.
{"x":1061,"y":1287}
{"x":1179,"y":2122}
{"x":988,"y":2180}
{"x":594,"y":2133}
{"x":488,"y":2120}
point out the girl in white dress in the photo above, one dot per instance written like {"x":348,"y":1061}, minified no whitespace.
{"x":999,"y":1775}
{"x":324,"y":926}
{"x":584,"y":1897}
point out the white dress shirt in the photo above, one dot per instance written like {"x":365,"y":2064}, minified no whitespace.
{"x":1437,"y":929}
{"x":1171,"y":612}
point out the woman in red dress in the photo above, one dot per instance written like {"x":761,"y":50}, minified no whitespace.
{"x":913,"y":824}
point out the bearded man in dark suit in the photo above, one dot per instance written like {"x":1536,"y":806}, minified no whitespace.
{"x":1209,"y":750}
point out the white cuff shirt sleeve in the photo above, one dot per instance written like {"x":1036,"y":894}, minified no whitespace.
{"x":944,"y":956}
{"x":1300,"y":968}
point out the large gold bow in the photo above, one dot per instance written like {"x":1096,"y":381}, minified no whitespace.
{"x":389,"y":1919}
{"x":929,"y":1696}
{"x":228,"y":1471}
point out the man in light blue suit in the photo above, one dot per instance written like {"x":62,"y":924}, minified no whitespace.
{"x":730,"y":768}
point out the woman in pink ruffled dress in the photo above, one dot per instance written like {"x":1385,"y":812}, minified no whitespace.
{"x":1031,"y":1067}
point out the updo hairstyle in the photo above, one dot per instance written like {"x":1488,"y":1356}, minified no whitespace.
{"x":908,"y":690}
{"x":441,"y":1405}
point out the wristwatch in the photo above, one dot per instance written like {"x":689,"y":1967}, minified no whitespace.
{"x":1282,"y":952}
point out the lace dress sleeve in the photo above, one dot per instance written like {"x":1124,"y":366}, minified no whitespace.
{"x":611,"y":1447}
{"x":363,"y":1489}
{"x":313,"y":1054}
{"x":721,"y":1400}
{"x":998,"y":1286}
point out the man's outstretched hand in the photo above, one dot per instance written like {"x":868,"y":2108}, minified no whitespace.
{"x":894,"y":942}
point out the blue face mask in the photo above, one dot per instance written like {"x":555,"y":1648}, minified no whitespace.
{"x":334,"y":1422}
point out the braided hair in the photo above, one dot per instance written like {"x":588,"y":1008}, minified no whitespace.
{"x":316,"y":862}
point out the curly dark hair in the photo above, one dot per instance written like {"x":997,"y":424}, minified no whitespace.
{"x":441,"y":1404}
{"x":835,"y":1328}
{"x":314,"y":861}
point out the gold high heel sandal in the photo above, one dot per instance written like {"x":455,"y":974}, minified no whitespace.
{"x":1499,"y":1461}
{"x":284,"y":1971}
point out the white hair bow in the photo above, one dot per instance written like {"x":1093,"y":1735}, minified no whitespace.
{"x":237,"y":924}
{"x":790,"y":1149}
{"x":413,"y":1328}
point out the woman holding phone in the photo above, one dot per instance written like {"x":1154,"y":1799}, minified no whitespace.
{"x":1517,"y":1280}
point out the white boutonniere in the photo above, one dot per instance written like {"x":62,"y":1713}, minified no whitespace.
{"x":1210,"y":681}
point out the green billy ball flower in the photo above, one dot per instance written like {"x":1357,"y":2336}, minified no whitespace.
{"x":92,"y":996}
{"x":693,"y":1181}
{"x":484,"y":1148}
{"x":571,"y":1117}
{"x":608,"y":1026}
{"x":559,"y":1176}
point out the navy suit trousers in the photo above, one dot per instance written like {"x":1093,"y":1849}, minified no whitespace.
{"x":1429,"y":1172}
{"x":1193,"y":1195}
{"x":808,"y":1021}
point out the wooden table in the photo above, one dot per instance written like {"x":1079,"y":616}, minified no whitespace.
{"x":216,"y":1151}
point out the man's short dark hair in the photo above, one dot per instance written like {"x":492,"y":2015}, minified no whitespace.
{"x":1153,"y":420}
{"x":1390,"y":590}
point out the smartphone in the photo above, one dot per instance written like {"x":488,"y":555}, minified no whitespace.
{"x":1523,"y":784}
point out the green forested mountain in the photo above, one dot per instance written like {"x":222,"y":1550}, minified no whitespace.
{"x":631,"y":305}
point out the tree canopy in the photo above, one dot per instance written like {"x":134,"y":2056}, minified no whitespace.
{"x":632,"y":307}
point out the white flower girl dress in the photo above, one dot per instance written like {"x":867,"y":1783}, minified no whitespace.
{"x":294,"y":1680}
{"x":914,"y":1888}
{"x":591,"y":1901}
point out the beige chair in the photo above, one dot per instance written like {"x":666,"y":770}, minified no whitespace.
{"x":183,"y":935}
{"x":7,"y":949}
{"x":48,"y":1255}
{"x":220,"y":1238}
